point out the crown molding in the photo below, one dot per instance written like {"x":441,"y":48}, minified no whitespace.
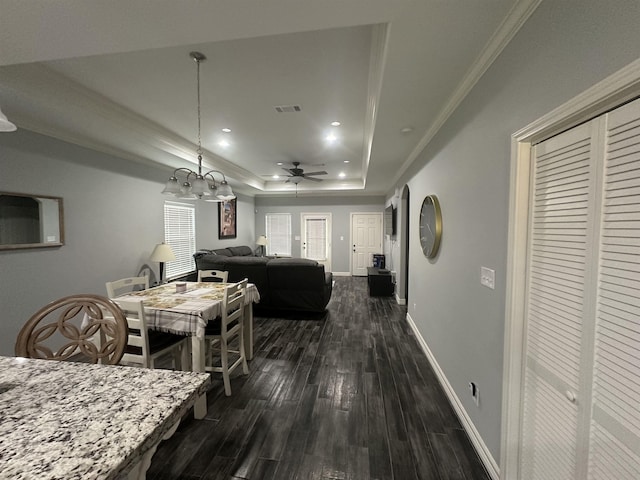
{"x":46,"y":90}
{"x":377,"y":61}
{"x":512,"y":23}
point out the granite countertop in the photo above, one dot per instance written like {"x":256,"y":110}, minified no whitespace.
{"x":65,"y":420}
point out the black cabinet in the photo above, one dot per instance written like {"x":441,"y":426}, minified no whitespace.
{"x":380,"y":282}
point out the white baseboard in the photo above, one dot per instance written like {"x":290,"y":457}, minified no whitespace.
{"x":485,"y":455}
{"x":341,"y":274}
{"x":401,"y":301}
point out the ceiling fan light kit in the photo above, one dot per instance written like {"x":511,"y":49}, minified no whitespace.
{"x":203,"y":185}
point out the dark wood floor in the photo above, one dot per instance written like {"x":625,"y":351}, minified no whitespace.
{"x":347,"y":396}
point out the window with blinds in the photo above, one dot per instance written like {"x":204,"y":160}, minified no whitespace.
{"x":278,"y":230}
{"x":180,"y":234}
{"x":315,"y":238}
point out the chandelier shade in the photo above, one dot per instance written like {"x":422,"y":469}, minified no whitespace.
{"x":198,"y":185}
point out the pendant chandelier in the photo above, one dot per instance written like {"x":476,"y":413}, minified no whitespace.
{"x":198,"y":185}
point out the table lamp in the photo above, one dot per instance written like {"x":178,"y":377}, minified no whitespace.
{"x":261,"y":242}
{"x":162,"y":253}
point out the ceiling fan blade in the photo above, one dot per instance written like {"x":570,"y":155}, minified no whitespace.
{"x":288,"y":170}
{"x":316,"y":173}
{"x":312,"y":179}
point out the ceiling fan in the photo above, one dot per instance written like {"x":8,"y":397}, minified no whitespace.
{"x":296,"y":175}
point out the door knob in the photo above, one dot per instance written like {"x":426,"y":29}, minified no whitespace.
{"x":570,"y":396}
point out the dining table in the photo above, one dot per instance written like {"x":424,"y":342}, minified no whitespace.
{"x":185,"y":308}
{"x":81,"y":421}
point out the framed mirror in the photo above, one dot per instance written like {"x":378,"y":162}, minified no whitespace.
{"x":30,"y":221}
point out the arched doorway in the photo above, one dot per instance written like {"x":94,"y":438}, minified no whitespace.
{"x":402,"y":280}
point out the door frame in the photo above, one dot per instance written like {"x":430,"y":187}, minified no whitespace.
{"x":303,"y":229}
{"x":615,"y":90}
{"x":380,"y":214}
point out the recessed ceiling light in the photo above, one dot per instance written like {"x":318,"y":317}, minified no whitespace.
{"x":223,"y":143}
{"x":331,"y":138}
{"x":342,"y":174}
{"x":276,"y":177}
{"x":335,"y":124}
{"x":406,"y":130}
{"x":279,"y":163}
{"x":226,"y":130}
{"x":346,"y":161}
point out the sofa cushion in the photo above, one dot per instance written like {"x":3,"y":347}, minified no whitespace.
{"x":242,"y":250}
{"x":222,"y":252}
{"x":212,"y":262}
{"x":288,"y":262}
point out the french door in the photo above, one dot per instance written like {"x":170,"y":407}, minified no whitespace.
{"x":316,"y":238}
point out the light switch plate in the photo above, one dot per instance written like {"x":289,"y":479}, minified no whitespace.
{"x":488,"y":277}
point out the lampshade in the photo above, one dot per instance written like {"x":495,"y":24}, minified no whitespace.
{"x":296,"y":180}
{"x":172,"y":187}
{"x":262,"y":240}
{"x":5,"y":124}
{"x":162,"y":253}
{"x":225,"y":192}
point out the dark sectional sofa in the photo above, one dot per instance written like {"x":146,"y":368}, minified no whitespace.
{"x":284,"y":283}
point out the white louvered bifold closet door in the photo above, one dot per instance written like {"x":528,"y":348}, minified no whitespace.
{"x":581,"y":399}
{"x":615,"y":425}
{"x":559,"y":255}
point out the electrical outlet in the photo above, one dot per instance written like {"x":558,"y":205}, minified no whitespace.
{"x":488,"y":277}
{"x":475,"y":393}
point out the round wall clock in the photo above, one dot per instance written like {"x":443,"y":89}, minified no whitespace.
{"x":430,"y":226}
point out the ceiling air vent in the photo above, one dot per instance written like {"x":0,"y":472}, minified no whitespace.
{"x":288,"y":108}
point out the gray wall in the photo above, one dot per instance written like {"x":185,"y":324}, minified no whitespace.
{"x":564,"y":48}
{"x":207,"y":227}
{"x":112,"y":222}
{"x":340,"y":209}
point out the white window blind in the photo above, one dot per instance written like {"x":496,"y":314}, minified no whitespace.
{"x":278,"y":233}
{"x":316,"y":238}
{"x":180,"y":234}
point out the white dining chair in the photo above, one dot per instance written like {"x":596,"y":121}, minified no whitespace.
{"x":213,"y":275}
{"x":220,"y":332}
{"x":126,"y":285}
{"x":145,"y":346}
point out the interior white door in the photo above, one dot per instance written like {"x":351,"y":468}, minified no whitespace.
{"x":316,"y":238}
{"x":561,"y":226}
{"x":366,"y":239}
{"x":580,"y":408}
{"x":614,"y":443}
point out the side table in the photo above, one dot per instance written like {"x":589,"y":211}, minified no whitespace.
{"x":380,"y":282}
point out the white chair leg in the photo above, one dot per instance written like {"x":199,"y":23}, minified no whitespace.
{"x":224,"y":361}
{"x":177,"y":358}
{"x":185,"y":359}
{"x":243,"y":356}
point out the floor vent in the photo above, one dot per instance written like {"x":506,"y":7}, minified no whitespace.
{"x":288,"y":108}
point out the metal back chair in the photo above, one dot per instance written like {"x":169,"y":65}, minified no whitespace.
{"x":81,"y":327}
